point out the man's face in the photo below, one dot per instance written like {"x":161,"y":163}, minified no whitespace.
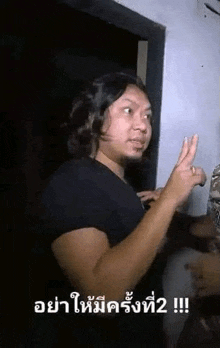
{"x":127,"y":127}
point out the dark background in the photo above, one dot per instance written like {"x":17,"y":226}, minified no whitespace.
{"x":48,"y":51}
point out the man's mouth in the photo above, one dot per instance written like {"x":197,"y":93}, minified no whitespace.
{"x":140,"y":142}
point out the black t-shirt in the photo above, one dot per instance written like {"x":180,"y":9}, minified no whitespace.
{"x":85,"y":193}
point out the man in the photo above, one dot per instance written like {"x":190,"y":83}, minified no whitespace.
{"x":206,"y":270}
{"x":203,"y":326}
{"x":100,"y":235}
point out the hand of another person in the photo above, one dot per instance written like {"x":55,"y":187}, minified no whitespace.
{"x":206,"y":274}
{"x":149,"y":195}
{"x":184,"y":175}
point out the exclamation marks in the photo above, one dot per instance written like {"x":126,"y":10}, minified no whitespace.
{"x":181,"y":305}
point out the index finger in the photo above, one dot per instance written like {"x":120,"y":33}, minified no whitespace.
{"x":184,"y":150}
{"x":189,"y":158}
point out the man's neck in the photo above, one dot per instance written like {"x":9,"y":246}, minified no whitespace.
{"x":112,"y":165}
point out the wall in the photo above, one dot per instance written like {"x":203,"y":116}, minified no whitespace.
{"x":190,"y":99}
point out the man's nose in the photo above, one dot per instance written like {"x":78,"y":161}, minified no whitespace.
{"x":140,"y":122}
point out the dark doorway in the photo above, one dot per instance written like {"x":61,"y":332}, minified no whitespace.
{"x":51,"y":50}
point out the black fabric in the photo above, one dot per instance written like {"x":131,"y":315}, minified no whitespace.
{"x":85,"y":193}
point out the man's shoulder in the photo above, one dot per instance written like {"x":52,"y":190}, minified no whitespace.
{"x":72,"y":171}
{"x":214,"y":198}
{"x":215,"y":183}
{"x":217,"y":170}
{"x":76,"y":178}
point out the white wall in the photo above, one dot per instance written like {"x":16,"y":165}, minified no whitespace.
{"x":190,"y":100}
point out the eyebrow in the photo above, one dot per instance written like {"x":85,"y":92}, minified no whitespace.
{"x":132,"y":101}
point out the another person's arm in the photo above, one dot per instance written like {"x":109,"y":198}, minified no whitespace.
{"x":203,"y":227}
{"x":206,"y":274}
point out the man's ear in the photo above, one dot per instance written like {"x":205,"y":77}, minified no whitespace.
{"x":106,"y":122}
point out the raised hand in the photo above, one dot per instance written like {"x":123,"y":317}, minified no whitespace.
{"x":184,"y":175}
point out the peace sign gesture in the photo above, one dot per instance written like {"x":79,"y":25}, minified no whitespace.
{"x":184,"y":175}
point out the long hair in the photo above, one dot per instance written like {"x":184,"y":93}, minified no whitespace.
{"x":89,"y":110}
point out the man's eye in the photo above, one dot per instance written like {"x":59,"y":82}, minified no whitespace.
{"x":127,"y":110}
{"x":148,"y":116}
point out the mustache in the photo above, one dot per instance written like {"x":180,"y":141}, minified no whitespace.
{"x":107,"y":137}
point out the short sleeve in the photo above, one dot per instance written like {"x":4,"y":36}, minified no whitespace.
{"x":87,"y":194}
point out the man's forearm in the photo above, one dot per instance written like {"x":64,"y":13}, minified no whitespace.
{"x":122,"y":267}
